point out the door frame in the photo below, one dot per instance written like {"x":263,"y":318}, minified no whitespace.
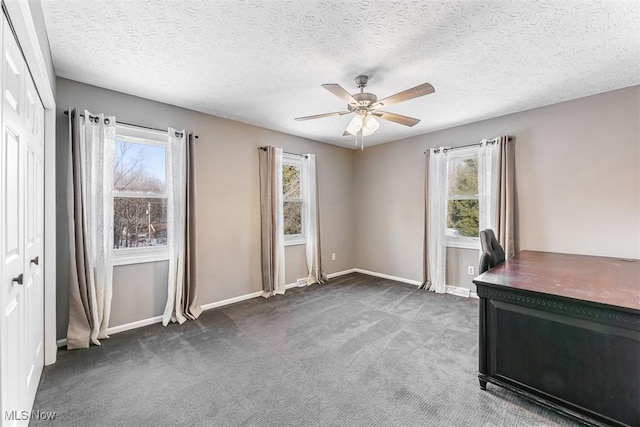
{"x":21,"y":17}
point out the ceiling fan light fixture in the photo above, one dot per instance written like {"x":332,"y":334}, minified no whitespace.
{"x":370,"y":125}
{"x":365,"y":105}
{"x":354,"y":125}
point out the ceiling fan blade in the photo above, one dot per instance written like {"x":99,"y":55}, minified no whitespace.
{"x":319,"y":116}
{"x":339,"y":91}
{"x":397,"y":118}
{"x":421,"y":90}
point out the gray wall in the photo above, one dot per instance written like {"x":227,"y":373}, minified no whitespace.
{"x":578,"y":185}
{"x":228,"y":198}
{"x":458,"y":261}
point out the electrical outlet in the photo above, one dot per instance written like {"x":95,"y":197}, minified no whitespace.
{"x":333,"y":257}
{"x":470,"y":270}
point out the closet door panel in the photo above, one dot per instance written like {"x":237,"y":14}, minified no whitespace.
{"x":34,"y":290}
{"x":11,"y":289}
{"x":17,"y":321}
{"x":12,"y":78}
{"x":12,"y":196}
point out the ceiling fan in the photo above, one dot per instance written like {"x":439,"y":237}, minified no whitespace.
{"x":366,"y":106}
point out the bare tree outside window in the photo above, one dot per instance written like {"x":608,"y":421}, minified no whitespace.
{"x":139,"y":222}
{"x":140,"y":199}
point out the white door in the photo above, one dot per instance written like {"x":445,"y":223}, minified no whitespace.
{"x":12,"y":288}
{"x":21,"y":236}
{"x":34,"y":241}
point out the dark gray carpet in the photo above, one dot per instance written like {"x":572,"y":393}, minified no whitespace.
{"x":358,"y":351}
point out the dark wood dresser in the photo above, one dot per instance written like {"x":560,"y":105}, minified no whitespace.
{"x":564,"y":331}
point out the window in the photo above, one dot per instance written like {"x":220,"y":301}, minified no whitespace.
{"x":463,"y":211}
{"x":293,"y":200}
{"x":140,"y":208}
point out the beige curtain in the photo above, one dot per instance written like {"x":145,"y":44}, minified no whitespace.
{"x":191,"y":307}
{"x":91,"y":157}
{"x":496,"y":191}
{"x":271,"y":220}
{"x":182,"y":300}
{"x":505,"y":198}
{"x":81,"y":319}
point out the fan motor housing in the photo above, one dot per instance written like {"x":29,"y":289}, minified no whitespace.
{"x":364,"y":100}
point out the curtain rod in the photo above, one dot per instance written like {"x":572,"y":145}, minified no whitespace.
{"x":490,"y":141}
{"x":66,"y":113}
{"x":285,"y":152}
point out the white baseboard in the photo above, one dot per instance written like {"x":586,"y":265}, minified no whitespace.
{"x":134,"y":325}
{"x":340,"y":273}
{"x":231,"y":300}
{"x":387,"y":276}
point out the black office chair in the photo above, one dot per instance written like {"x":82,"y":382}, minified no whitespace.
{"x":492,"y":252}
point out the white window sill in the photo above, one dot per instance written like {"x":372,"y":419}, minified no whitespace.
{"x":140,"y":255}
{"x":295,"y":242}
{"x":463,"y":244}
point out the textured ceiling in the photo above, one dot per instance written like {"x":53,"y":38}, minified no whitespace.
{"x":262,"y":62}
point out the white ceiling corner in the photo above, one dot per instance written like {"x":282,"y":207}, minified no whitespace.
{"x":262,"y":62}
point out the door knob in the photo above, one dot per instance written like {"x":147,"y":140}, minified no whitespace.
{"x":17,"y":279}
{"x":36,"y":260}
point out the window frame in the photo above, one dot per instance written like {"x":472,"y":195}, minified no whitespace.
{"x":136,"y":135}
{"x":296,"y":161}
{"x":463,"y":242}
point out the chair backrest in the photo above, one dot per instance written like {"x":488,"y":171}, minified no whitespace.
{"x":485,"y":261}
{"x":492,"y":252}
